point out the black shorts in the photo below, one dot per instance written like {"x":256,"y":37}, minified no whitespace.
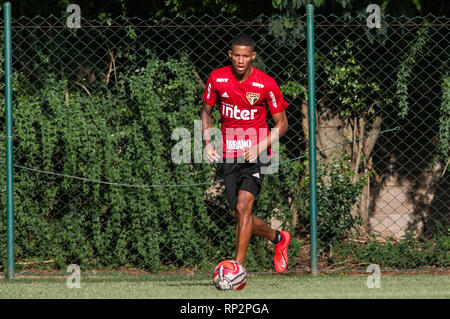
{"x":242,"y":176}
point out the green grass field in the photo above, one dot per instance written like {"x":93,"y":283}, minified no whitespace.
{"x":290,"y":286}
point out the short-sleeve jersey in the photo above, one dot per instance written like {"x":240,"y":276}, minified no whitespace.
{"x":243,"y":107}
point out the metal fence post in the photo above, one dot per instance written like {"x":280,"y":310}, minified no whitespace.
{"x":9,"y":139}
{"x":312,"y":137}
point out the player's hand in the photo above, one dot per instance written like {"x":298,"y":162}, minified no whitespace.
{"x":251,"y":154}
{"x":211,"y":153}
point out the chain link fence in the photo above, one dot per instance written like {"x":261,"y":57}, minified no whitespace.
{"x":95,"y":109}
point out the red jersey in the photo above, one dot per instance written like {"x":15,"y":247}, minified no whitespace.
{"x":243,"y":107}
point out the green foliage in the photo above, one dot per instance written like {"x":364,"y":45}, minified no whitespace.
{"x":335,"y":197}
{"x":290,"y":6}
{"x":405,"y":70}
{"x":345,"y":75}
{"x":122,"y":135}
{"x":348,"y":8}
{"x":408,"y":252}
{"x":194,"y":7}
{"x":287,"y":31}
{"x":444,"y":122}
{"x":294,"y":90}
{"x":243,"y":9}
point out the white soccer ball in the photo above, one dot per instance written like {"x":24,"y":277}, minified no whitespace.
{"x":229,"y":275}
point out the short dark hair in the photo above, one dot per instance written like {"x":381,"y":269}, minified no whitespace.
{"x":243,"y":40}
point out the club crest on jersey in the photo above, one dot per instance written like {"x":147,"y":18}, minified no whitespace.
{"x":252,"y":97}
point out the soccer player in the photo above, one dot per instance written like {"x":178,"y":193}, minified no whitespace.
{"x":243,"y":94}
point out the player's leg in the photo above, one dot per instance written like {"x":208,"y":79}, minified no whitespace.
{"x":251,"y":182}
{"x":249,"y":189}
{"x":248,"y":224}
{"x":244,"y":224}
{"x":260,"y":228}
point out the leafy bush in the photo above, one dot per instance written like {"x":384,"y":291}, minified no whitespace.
{"x":335,"y":197}
{"x":407,"y":253}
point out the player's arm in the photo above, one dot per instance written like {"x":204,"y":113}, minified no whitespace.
{"x":206,"y":118}
{"x":281,"y":125}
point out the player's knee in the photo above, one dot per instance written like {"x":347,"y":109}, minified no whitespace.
{"x":243,"y":208}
